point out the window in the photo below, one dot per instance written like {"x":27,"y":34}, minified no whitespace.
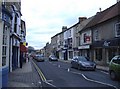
{"x":4,"y":46}
{"x":98,"y":53}
{"x":15,"y":27}
{"x":96,"y":35}
{"x":116,"y":59}
{"x":117,"y":30}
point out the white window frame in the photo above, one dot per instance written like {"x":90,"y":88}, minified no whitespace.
{"x":96,"y":35}
{"x":5,"y":45}
{"x":116,"y":29}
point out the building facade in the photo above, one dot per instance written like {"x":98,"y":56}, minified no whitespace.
{"x":5,"y":28}
{"x":12,"y":33}
{"x":90,"y":37}
{"x":106,"y":35}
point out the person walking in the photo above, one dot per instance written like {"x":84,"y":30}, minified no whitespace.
{"x":21,"y":59}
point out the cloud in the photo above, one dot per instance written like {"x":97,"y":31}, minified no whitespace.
{"x":45,"y":18}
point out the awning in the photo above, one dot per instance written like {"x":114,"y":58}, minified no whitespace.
{"x":107,"y":43}
{"x":23,"y":48}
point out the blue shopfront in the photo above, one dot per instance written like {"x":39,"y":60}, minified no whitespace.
{"x":5,"y":31}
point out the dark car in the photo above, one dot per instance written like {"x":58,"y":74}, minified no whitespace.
{"x":114,"y":68}
{"x":53,"y":58}
{"x":39,"y":58}
{"x":83,"y":63}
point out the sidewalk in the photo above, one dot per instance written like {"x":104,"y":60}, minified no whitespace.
{"x":24,"y":77}
{"x":99,"y":67}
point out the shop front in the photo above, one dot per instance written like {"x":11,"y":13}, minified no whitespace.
{"x":5,"y":27}
{"x":23,"y":52}
{"x":105,"y":50}
{"x":84,"y":50}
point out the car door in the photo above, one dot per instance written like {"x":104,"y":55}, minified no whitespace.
{"x":117,"y":65}
{"x":76,"y":62}
{"x":73,"y":62}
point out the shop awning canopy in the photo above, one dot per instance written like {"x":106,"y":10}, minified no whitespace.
{"x":23,"y":48}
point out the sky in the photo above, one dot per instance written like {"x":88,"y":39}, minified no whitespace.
{"x":45,"y":18}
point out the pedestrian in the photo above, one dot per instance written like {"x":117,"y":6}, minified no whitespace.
{"x":21,"y":59}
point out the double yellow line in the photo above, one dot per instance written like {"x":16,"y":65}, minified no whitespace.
{"x":39,"y":72}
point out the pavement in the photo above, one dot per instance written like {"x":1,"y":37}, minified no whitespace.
{"x":24,"y":77}
{"x":27,"y":75}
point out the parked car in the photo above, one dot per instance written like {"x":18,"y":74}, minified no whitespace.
{"x":39,"y":58}
{"x":82,"y":62}
{"x":114,"y":68}
{"x":53,"y":58}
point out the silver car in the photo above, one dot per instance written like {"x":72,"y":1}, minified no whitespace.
{"x":83,"y":63}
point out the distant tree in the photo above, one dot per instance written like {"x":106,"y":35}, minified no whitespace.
{"x":31,"y":49}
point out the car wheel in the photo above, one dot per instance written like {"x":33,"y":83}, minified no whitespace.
{"x":94,"y":68}
{"x":71,"y":65}
{"x":112,"y":75}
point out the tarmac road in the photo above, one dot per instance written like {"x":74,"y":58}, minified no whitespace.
{"x":60,"y":74}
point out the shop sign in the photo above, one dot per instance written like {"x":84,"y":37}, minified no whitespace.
{"x":84,"y":47}
{"x":86,"y":37}
{"x":106,"y":43}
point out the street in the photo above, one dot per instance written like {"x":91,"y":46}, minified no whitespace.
{"x":60,"y":74}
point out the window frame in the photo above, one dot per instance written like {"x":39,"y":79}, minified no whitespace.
{"x":116,"y":30}
{"x":5,"y":46}
{"x":96,"y":36}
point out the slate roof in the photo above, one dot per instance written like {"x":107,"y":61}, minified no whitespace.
{"x":105,"y":15}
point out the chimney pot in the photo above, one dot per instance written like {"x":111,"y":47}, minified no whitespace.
{"x":64,"y":28}
{"x":82,"y":19}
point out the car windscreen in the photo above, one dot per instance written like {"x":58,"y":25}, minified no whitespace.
{"x":81,"y":58}
{"x":53,"y":56}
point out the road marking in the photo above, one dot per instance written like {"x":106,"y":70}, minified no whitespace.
{"x":68,"y":69}
{"x":42,"y":75}
{"x":49,"y":80}
{"x":94,"y":80}
{"x":50,"y":84}
{"x":104,"y":72}
{"x":39,"y":82}
{"x":59,"y":66}
{"x":39,"y":72}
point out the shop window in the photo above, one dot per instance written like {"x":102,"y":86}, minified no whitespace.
{"x":117,"y":30}
{"x":4,"y":46}
{"x":112,"y":52}
{"x":98,"y":53}
{"x":70,"y":54}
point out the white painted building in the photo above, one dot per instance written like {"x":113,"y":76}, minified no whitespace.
{"x":15,"y":39}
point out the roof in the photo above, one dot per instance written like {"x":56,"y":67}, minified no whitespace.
{"x":105,"y":15}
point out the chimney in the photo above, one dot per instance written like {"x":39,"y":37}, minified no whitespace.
{"x":82,"y":19}
{"x":100,"y":9}
{"x":64,"y":28}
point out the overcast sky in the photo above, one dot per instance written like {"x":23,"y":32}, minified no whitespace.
{"x":45,"y":18}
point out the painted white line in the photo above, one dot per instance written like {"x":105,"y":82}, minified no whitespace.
{"x":50,"y":84}
{"x":39,"y":82}
{"x":104,"y":72}
{"x":68,"y":69}
{"x":49,"y":80}
{"x":94,"y":80}
{"x":59,"y":66}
